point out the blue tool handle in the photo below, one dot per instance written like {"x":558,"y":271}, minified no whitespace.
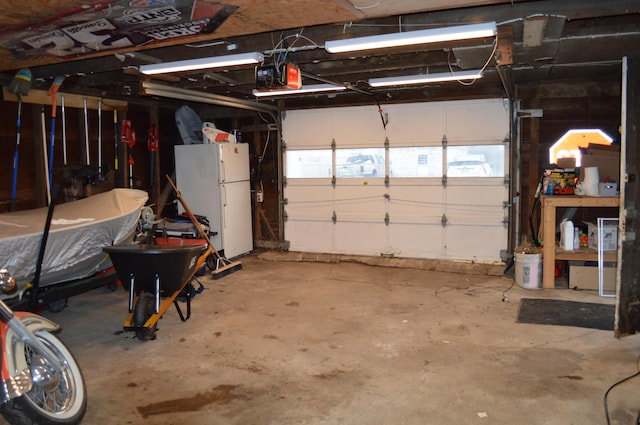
{"x":14,"y":186}
{"x":51,"y":143}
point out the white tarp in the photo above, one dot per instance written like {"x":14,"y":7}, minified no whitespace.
{"x":79,"y":231}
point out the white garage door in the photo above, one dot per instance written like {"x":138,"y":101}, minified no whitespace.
{"x":431,"y":184}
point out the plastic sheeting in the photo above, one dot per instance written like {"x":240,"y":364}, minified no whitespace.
{"x":79,"y":231}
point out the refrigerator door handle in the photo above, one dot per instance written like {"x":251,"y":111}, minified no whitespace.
{"x":224,"y":206}
{"x":224,"y":195}
{"x":223,"y":172}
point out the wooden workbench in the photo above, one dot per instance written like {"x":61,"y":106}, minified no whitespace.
{"x":551,"y":252}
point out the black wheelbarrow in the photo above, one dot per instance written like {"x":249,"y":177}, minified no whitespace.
{"x":156,"y":276}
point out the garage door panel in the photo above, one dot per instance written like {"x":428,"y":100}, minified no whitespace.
{"x":477,"y":120}
{"x":475,"y":220}
{"x":359,"y":238}
{"x":310,"y":236}
{"x":309,"y":189}
{"x":311,"y":201}
{"x":307,"y":213}
{"x":412,"y":213}
{"x":409,"y":240}
{"x":417,"y":204}
{"x":301,"y":129}
{"x":354,"y":202}
{"x":471,"y":206}
{"x":417,"y":123}
{"x":358,"y":127}
{"x":481,"y":243}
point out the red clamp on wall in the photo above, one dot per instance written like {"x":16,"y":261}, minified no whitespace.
{"x":128,"y":133}
{"x":152,"y":139}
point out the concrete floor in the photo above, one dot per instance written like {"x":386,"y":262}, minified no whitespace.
{"x":286,"y":342}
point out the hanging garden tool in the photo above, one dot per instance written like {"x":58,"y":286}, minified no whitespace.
{"x":128,"y":134}
{"x":86,"y":131}
{"x":53,"y":90}
{"x":100,"y":175}
{"x":115,"y":139}
{"x":131,"y":162}
{"x":152,"y":146}
{"x":43,"y":125}
{"x":129,"y":138}
{"x":64,"y":132}
{"x":20,"y":87}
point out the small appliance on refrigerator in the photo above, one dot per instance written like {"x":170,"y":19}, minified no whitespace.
{"x":213,"y":179}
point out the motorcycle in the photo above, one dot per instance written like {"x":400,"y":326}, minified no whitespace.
{"x":41,"y":382}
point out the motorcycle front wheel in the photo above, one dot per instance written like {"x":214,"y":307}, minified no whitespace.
{"x":61,"y":400}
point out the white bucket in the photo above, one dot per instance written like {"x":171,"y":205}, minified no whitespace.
{"x":529,"y":270}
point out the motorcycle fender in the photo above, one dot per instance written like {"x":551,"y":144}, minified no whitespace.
{"x":15,"y":371}
{"x":35,"y":323}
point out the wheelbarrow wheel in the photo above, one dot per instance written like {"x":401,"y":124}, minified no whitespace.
{"x":211,"y":262}
{"x":145,"y":307}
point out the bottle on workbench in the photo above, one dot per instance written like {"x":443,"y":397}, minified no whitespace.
{"x":566,"y":234}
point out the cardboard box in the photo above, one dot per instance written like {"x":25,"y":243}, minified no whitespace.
{"x":566,"y":163}
{"x":586,"y":277}
{"x":609,"y":150}
{"x":608,"y":166}
{"x":609,"y":236}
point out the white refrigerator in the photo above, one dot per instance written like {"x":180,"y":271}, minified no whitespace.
{"x":214,"y":182}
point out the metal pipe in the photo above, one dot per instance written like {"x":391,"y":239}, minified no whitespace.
{"x":155,"y":89}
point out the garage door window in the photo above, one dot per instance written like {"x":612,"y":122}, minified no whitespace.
{"x":367,"y":162}
{"x":475,"y":161}
{"x":416,"y":162}
{"x":308,"y":163}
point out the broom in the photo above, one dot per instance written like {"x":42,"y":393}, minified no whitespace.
{"x":223,"y":265}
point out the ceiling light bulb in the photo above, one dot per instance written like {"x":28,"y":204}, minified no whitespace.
{"x":202,"y":63}
{"x":425,"y":78}
{"x":313,"y":88}
{"x":408,"y":38}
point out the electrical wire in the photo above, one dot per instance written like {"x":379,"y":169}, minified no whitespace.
{"x":266,"y":144}
{"x":536,"y":203}
{"x":381,"y":112}
{"x":505,"y":298}
{"x":606,"y":394}
{"x":264,"y":151}
{"x":491,"y":56}
{"x":277,"y":48}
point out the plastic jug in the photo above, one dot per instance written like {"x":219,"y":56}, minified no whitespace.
{"x":566,"y":234}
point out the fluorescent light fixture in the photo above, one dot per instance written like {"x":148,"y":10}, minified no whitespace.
{"x":202,"y":63}
{"x":425,"y":78}
{"x":313,"y":88}
{"x":436,"y":35}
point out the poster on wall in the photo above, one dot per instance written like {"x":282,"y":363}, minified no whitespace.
{"x":108,"y":25}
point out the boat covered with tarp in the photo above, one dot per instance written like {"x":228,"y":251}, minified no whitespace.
{"x":78,"y":233}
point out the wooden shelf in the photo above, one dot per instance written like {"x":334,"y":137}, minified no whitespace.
{"x":580,"y":201}
{"x":551,"y":252}
{"x":585,"y":254}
